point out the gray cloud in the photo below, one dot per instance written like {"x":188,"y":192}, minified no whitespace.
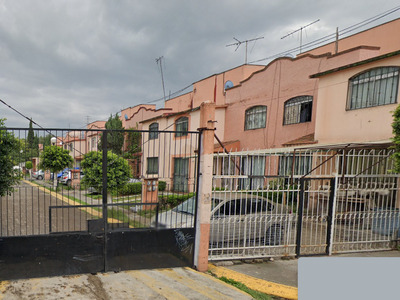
{"x":61,"y":61}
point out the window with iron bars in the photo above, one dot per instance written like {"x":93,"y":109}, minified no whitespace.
{"x":302,"y":165}
{"x":153,"y":135}
{"x":375,"y":87}
{"x":182,"y":124}
{"x":298,"y":110}
{"x":255,"y":117}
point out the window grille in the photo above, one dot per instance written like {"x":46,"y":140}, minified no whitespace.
{"x":375,"y":87}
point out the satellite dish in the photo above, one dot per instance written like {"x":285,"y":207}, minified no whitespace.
{"x":228,"y":85}
{"x":126,"y":117}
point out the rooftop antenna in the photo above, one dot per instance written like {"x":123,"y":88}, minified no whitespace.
{"x":301,"y":32}
{"x":159,"y":62}
{"x":238,"y":43}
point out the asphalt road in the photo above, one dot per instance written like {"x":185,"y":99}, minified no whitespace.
{"x":26,"y":212}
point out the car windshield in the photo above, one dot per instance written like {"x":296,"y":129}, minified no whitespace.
{"x":186,"y":207}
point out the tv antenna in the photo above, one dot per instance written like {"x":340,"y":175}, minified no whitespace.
{"x":159,"y":62}
{"x":238,"y":43}
{"x":301,"y":32}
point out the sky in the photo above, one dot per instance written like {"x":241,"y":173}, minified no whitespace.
{"x":64,"y":63}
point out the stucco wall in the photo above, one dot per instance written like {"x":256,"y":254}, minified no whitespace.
{"x":335,"y":124}
{"x":383,"y":36}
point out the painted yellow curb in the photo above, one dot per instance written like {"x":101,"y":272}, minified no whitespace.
{"x":71,"y":202}
{"x":3,"y":287}
{"x":260,"y":285}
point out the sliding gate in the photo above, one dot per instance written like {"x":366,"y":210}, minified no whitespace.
{"x":82,"y":229}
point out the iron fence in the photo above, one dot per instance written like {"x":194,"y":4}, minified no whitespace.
{"x":163,"y":168}
{"x":348,"y":201}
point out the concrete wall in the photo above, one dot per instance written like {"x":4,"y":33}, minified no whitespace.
{"x":281,"y":80}
{"x":384,"y":36}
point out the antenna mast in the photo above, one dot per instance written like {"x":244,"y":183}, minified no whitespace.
{"x":301,"y":32}
{"x":159,"y":61}
{"x":238,"y":43}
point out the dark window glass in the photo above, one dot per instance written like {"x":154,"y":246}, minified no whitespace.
{"x":153,"y":135}
{"x":298,"y":110}
{"x":182,"y":124}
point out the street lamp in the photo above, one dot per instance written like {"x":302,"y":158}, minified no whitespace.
{"x":53,"y":140}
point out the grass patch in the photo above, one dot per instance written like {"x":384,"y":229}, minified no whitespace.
{"x":255,"y":294}
{"x":94,"y":196}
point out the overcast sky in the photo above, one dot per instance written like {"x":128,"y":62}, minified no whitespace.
{"x":62,"y":62}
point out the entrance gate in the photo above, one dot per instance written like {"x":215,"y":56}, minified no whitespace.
{"x":76,"y":230}
{"x":315,"y":211}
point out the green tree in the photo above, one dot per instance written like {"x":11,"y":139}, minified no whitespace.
{"x":118,"y":170}
{"x":31,"y":136}
{"x":115,"y":139}
{"x":396,"y":139}
{"x":8,"y":145}
{"x":55,"y":159}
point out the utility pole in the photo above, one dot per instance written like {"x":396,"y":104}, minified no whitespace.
{"x":238,"y":43}
{"x":159,"y":62}
{"x":301,"y":32}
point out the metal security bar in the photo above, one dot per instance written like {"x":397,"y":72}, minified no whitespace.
{"x":349,"y":200}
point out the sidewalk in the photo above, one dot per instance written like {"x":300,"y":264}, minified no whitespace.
{"x":176,"y":283}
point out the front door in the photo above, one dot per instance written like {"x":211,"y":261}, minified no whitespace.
{"x":181,"y":173}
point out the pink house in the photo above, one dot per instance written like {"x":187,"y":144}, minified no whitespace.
{"x":356,"y":101}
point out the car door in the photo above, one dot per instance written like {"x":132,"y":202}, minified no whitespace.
{"x":228,"y":222}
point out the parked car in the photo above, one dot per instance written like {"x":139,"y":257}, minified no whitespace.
{"x":66,"y":177}
{"x":39,"y":175}
{"x":234,"y":217}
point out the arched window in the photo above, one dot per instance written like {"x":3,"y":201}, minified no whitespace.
{"x":255,"y":117}
{"x":182,"y":124}
{"x":298,"y":110}
{"x":374,"y":87}
{"x":153,"y":135}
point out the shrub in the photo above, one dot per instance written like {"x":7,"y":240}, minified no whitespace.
{"x":174,"y":200}
{"x":130,"y":189}
{"x":28,"y":165}
{"x":162,"y":185}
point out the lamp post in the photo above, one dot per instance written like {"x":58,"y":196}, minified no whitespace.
{"x":53,"y":140}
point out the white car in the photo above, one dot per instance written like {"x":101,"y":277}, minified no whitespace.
{"x":39,"y":175}
{"x":66,"y":177}
{"x":235,"y":216}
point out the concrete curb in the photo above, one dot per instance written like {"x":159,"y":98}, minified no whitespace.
{"x":71,"y":202}
{"x":260,"y":285}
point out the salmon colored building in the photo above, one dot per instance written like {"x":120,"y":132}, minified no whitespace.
{"x":356,"y":101}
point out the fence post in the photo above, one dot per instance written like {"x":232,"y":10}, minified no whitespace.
{"x":204,"y":189}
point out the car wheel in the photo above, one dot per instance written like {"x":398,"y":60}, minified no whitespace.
{"x":40,"y":177}
{"x":68,"y":182}
{"x":274,"y":235}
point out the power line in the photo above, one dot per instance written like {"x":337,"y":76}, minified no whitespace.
{"x":301,"y":32}
{"x":332,"y":36}
{"x":238,"y":43}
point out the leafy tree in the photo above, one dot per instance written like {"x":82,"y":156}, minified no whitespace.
{"x":8,"y":144}
{"x":396,"y":139}
{"x":115,"y":139}
{"x":31,"y":136}
{"x":118,"y":170}
{"x":55,"y":159}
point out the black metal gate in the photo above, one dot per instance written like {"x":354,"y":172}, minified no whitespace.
{"x":315,"y":215}
{"x":82,"y":229}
